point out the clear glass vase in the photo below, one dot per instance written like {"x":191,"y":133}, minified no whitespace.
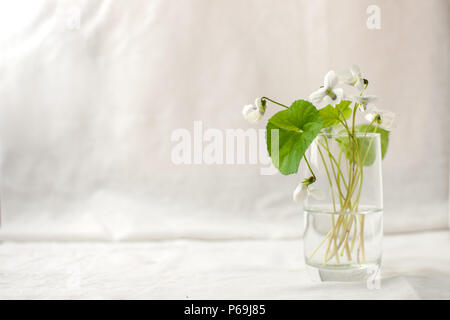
{"x":343,"y":231}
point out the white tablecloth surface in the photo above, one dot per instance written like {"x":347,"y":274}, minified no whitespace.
{"x":415,"y":266}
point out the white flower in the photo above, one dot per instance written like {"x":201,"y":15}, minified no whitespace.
{"x":365,"y":102}
{"x":352,"y":77}
{"x":254,"y":113}
{"x":300,"y":193}
{"x":251,"y":113}
{"x":304,"y":190}
{"x":329,"y":89}
{"x":385,"y":119}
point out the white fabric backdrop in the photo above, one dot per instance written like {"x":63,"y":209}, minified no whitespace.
{"x":87,"y":112}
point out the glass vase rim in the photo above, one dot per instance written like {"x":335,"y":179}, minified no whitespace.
{"x":345,"y":134}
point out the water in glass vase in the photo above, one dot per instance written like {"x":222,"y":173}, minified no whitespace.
{"x":344,"y":228}
{"x":343,"y":246}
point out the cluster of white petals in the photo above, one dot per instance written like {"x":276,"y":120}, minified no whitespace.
{"x":366,"y":103}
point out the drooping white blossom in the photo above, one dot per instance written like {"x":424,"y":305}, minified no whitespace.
{"x":254,"y":112}
{"x":329,"y":89}
{"x":385,"y":119}
{"x":300,"y":193}
{"x":303,"y":191}
{"x":365,"y":103}
{"x":352,"y":77}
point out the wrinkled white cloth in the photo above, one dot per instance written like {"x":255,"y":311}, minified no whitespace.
{"x":91,"y":91}
{"x":415,"y":266}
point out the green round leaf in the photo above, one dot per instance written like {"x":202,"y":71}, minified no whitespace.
{"x":293,"y":129}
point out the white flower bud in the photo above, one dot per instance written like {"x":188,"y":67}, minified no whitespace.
{"x":303,"y":191}
{"x":254,"y":113}
{"x":300,"y":193}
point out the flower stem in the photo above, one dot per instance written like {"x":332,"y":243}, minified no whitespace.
{"x":370,"y":124}
{"x":273,"y":101}
{"x":309,"y":167}
{"x":329,"y":179}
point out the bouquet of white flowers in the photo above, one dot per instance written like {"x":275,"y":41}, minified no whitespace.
{"x":302,"y":126}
